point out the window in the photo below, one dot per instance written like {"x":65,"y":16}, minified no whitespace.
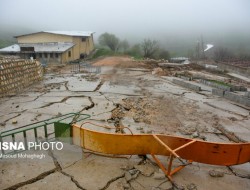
{"x":27,"y":48}
{"x":51,"y":55}
{"x":45,"y":55}
{"x":83,"y":39}
{"x":69,"y":54}
{"x":56,"y":55}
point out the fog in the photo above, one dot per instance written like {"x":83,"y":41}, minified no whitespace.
{"x":175,"y":23}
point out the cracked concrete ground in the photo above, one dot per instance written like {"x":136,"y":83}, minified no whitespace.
{"x":135,"y":98}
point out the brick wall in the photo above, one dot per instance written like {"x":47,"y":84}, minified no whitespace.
{"x":17,"y":74}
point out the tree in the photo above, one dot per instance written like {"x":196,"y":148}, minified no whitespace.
{"x":135,"y":51}
{"x":109,"y":40}
{"x":164,"y":54}
{"x":149,"y":47}
{"x":124,"y":45}
{"x":222,"y":54}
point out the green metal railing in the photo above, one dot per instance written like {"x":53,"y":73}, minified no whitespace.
{"x":44,"y":127}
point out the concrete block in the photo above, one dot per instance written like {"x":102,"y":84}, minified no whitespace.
{"x":185,"y":78}
{"x":247,"y":94}
{"x":218,"y":92}
{"x":187,"y":85}
{"x":239,"y":88}
{"x":237,"y":98}
{"x":215,"y":85}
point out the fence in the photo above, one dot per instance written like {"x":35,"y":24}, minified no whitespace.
{"x":84,"y":67}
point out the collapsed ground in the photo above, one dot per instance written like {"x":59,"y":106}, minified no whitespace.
{"x":138,"y":95}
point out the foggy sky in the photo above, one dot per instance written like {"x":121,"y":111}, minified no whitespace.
{"x":131,"y":19}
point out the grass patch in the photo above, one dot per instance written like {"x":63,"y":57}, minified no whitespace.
{"x":103,"y":52}
{"x":220,"y":83}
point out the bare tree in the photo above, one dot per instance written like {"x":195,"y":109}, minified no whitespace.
{"x":222,"y":54}
{"x":149,"y":47}
{"x":124,"y":45}
{"x":109,"y":40}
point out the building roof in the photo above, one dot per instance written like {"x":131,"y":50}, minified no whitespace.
{"x":71,"y":33}
{"x":67,"y":33}
{"x":11,"y":49}
{"x":57,"y":47}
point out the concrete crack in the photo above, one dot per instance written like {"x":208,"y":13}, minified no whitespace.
{"x":12,"y":117}
{"x":33,"y":180}
{"x":66,"y":85}
{"x":112,"y":180}
{"x":238,"y":175}
{"x":99,"y":86}
{"x":90,"y":106}
{"x":106,"y":97}
{"x":72,"y":164}
{"x":224,"y":110}
{"x":230,"y":135}
{"x":73,"y":180}
{"x":59,"y":169}
{"x":62,"y":101}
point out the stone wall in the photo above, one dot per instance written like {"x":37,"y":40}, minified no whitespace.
{"x":17,"y":74}
{"x":187,"y":85}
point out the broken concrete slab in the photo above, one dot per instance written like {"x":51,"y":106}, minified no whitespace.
{"x":200,"y":173}
{"x":108,"y":87}
{"x":21,"y":167}
{"x":148,"y":183}
{"x":96,"y":171}
{"x":81,"y":84}
{"x":69,"y":155}
{"x":55,"y":181}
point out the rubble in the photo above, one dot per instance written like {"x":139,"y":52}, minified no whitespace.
{"x":145,"y":170}
{"x":215,"y":173}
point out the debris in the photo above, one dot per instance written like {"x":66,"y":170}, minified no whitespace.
{"x":159,"y":176}
{"x":128,"y":176}
{"x":14,"y":121}
{"x":139,"y":128}
{"x":149,"y":132}
{"x":145,"y":170}
{"x":59,"y":114}
{"x":166,"y":185}
{"x":126,"y":185}
{"x":215,"y":173}
{"x":191,"y":186}
{"x":136,"y":174}
{"x":188,"y":130}
{"x":195,"y":134}
{"x":133,"y":171}
{"x":2,"y":124}
{"x":157,"y":71}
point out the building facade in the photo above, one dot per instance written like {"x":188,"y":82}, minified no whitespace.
{"x":52,"y":46}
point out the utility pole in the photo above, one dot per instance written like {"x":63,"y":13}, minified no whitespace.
{"x":198,"y":50}
{"x":202,"y":48}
